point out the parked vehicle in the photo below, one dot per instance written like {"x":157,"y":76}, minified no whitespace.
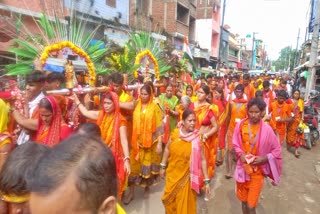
{"x":311,"y":119}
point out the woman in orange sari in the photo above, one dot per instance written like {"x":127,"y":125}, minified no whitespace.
{"x":113,"y":132}
{"x":51,"y":127}
{"x":185,"y":156}
{"x":146,"y":144}
{"x":189,"y":92}
{"x":207,"y":125}
{"x":293,"y":138}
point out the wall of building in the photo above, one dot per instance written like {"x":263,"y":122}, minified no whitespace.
{"x":117,"y":10}
{"x":204,"y":33}
{"x":9,"y":10}
{"x":215,"y":31}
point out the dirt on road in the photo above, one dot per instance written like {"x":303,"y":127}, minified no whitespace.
{"x":298,"y":192}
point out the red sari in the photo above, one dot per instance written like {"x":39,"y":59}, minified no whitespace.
{"x":58,"y":129}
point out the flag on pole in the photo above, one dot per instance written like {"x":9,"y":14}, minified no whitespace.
{"x":187,"y":54}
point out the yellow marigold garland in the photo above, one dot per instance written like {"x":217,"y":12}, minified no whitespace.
{"x":149,"y":54}
{"x":58,"y":46}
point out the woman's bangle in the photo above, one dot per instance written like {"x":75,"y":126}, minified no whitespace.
{"x":163,"y":166}
{"x":206,"y":181}
{"x":127,"y":158}
{"x":78,"y":104}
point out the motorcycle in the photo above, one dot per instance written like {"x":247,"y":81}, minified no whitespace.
{"x":311,"y":119}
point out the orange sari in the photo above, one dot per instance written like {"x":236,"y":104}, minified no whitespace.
{"x":58,"y":129}
{"x":145,"y":162}
{"x":110,"y":125}
{"x":205,"y":112}
{"x":293,"y":138}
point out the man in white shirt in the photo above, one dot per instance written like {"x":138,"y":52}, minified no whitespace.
{"x":33,"y":94}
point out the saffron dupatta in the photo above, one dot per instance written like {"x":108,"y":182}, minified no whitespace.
{"x":145,"y":134}
{"x":110,"y":124}
{"x":110,"y":133}
{"x":202,"y":112}
{"x":51,"y":137}
{"x":195,"y":159}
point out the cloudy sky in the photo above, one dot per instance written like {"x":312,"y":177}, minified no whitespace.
{"x":277,"y":22}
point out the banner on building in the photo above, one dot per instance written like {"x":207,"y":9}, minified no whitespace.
{"x":312,"y":15}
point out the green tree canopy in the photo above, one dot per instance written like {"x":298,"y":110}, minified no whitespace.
{"x":286,"y":59}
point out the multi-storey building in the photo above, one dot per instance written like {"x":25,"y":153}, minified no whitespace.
{"x":18,"y":17}
{"x":174,"y":18}
{"x":208,"y":28}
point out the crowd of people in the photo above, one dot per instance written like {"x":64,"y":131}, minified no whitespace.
{"x":86,"y":152}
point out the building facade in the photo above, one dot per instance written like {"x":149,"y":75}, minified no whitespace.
{"x":208,"y":28}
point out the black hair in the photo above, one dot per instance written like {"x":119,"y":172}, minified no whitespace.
{"x":169,"y":85}
{"x":282,"y":93}
{"x":239,"y":87}
{"x":20,"y":166}
{"x":186,"y":113}
{"x":283,"y":81}
{"x":205,"y":88}
{"x":117,"y":78}
{"x":36,"y":76}
{"x":209,"y":76}
{"x":147,"y":87}
{"x":89,"y":160}
{"x":220,"y":90}
{"x":266,"y":83}
{"x":45,"y":103}
{"x":189,"y":86}
{"x":296,"y":90}
{"x":55,"y":76}
{"x":258,"y":94}
{"x":258,"y":102}
{"x":246,"y":76}
{"x":91,"y":129}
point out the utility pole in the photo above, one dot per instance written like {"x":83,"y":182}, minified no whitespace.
{"x":253,"y":48}
{"x":296,"y":52}
{"x":290,"y":50}
{"x":221,"y":31}
{"x":313,"y":53}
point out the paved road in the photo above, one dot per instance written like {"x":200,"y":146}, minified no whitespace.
{"x":299,"y":191}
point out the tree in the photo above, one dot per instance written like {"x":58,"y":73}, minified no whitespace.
{"x":285,"y":60}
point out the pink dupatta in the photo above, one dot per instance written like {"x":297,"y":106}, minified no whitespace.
{"x":268,"y":146}
{"x":193,"y":137}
